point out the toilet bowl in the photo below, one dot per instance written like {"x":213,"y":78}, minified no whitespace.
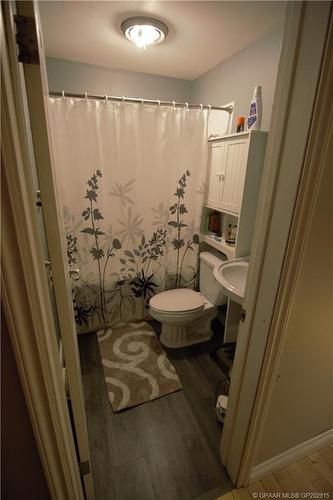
{"x":186,"y":315}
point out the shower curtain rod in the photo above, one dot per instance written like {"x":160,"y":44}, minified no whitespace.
{"x":228,"y":109}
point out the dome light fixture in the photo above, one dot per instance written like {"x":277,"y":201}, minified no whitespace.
{"x":144,"y":31}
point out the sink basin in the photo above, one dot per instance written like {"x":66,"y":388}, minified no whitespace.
{"x":232,"y":276}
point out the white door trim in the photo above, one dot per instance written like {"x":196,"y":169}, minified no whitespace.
{"x":318,"y":157}
{"x":301,"y":58}
{"x":27,"y":307}
{"x":33,"y":89}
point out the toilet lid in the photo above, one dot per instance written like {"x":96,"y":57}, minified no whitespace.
{"x":179,"y":300}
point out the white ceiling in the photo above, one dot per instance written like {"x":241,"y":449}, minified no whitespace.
{"x":201,"y":34}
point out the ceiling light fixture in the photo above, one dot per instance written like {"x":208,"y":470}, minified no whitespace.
{"x":144,"y":31}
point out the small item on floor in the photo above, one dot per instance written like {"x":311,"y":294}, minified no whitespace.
{"x":221,"y":407}
{"x":224,"y":357}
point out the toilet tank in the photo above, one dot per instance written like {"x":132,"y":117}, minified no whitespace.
{"x":208,"y":285}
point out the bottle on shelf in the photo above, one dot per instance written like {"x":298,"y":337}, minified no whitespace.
{"x":228,"y":236}
{"x":231,"y":234}
{"x":240,"y":124}
{"x":255,"y":115}
{"x":214,"y":222}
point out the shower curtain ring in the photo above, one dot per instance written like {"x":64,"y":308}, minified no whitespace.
{"x":201,"y":107}
{"x":106,"y":98}
{"x":209,"y":107}
{"x":63,"y":94}
{"x":173,"y":104}
{"x":123,"y":99}
{"x":85,"y":95}
{"x":186,"y":106}
{"x":159,"y":103}
{"x":141,"y":102}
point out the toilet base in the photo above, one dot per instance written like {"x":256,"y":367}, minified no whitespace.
{"x":175,"y":335}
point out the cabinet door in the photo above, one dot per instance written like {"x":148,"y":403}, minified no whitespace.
{"x":233,"y":177}
{"x":216,"y":174}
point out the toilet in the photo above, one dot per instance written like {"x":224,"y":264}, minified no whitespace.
{"x":186,"y":315}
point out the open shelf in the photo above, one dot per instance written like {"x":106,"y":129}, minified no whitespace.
{"x":236,"y":135}
{"x":221,"y":245}
{"x":215,"y":241}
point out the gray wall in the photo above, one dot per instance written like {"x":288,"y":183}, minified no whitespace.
{"x":232,"y":80}
{"x":235,"y":79}
{"x":78,"y":77}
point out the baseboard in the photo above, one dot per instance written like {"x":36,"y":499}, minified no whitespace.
{"x":291,"y":455}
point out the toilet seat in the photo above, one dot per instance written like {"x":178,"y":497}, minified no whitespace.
{"x":176,"y":301}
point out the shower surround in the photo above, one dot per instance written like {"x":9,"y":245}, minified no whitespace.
{"x":130,"y":181}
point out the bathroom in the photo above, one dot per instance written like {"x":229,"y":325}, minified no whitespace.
{"x":137,"y":191}
{"x":164,"y":276}
{"x":133,"y":171}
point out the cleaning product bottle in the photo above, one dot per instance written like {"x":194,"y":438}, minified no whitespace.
{"x":254,"y":118}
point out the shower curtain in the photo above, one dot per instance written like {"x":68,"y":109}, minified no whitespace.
{"x":130,"y":179}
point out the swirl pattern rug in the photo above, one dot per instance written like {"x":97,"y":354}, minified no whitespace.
{"x":136,"y":368}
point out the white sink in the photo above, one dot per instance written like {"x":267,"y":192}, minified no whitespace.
{"x":232,"y":275}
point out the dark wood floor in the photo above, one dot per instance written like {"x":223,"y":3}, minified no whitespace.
{"x":166,"y":449}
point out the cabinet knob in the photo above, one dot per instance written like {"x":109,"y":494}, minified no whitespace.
{"x":220,"y":176}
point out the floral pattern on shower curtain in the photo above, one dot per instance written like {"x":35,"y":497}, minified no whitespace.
{"x":130,"y":179}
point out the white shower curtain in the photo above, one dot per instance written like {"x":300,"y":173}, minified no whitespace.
{"x":130,"y":179}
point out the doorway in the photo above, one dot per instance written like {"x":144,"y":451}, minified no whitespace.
{"x":149,"y":446}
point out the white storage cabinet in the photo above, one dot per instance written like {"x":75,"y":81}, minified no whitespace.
{"x":227,"y":172}
{"x":233,"y":179}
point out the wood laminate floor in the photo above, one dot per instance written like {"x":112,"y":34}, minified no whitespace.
{"x":166,"y":449}
{"x":312,"y":475}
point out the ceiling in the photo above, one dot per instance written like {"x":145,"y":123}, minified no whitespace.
{"x":201,"y":34}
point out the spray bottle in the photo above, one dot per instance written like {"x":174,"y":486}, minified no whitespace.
{"x":255,"y":115}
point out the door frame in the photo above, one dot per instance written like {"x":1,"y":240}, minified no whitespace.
{"x":318,"y":157}
{"x":25,"y":293}
{"x":32,"y":87}
{"x":301,"y":61}
{"x":26,"y":303}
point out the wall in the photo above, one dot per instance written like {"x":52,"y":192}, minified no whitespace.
{"x":78,"y":78}
{"x":302,"y":402}
{"x":21,"y":469}
{"x":232,"y":80}
{"x":235,"y":79}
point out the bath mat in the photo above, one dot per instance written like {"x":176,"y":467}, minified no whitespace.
{"x":136,"y":368}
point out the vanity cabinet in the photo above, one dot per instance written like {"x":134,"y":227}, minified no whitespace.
{"x":234,"y":171}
